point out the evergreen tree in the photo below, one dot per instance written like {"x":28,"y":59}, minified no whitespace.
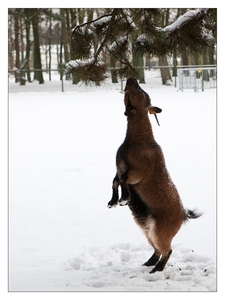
{"x":131,"y":33}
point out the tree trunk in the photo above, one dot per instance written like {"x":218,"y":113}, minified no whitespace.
{"x":37,"y":54}
{"x":64,"y":34}
{"x":165,"y":72}
{"x":196,"y":59}
{"x":211,"y":60}
{"x":185,"y":59}
{"x":17,"y":47}
{"x":138,"y":61}
{"x":73,"y":17}
{"x":21,"y":40}
{"x":78,"y":19}
{"x":49,"y":48}
{"x":205,"y":62}
{"x":11,"y":42}
{"x":113,"y":65}
{"x":28,"y":43}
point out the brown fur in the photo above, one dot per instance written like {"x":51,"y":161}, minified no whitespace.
{"x":143,"y":176}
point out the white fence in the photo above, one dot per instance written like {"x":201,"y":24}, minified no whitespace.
{"x":197,"y":78}
{"x":193,"y":77}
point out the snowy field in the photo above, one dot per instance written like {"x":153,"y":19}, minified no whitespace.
{"x":62,"y":147}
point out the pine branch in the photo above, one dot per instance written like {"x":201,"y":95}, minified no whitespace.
{"x":113,"y":15}
{"x":185,"y":19}
{"x":88,"y":71}
{"x":92,"y":21}
{"x":114,"y":32}
{"x":123,"y":62}
{"x":137,"y":16}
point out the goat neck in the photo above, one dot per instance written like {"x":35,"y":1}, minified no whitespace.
{"x":139,"y":126}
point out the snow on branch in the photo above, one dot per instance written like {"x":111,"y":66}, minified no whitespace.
{"x":120,"y":32}
{"x":184,"y":19}
{"x":88,"y":70}
{"x":99,"y":21}
{"x":122,"y":45}
{"x":103,"y":20}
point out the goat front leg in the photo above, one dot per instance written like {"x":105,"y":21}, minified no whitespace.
{"x":115,"y":195}
{"x":130,"y":177}
{"x":125,"y":195}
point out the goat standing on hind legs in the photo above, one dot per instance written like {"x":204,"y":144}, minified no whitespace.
{"x":145,"y":182}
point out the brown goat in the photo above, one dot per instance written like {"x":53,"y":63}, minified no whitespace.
{"x":145,"y":182}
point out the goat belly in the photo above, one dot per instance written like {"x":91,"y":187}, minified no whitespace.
{"x":160,"y":201}
{"x":140,"y":211}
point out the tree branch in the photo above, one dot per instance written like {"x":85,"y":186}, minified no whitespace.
{"x":125,"y":62}
{"x":113,"y":14}
{"x":185,"y":19}
{"x":92,"y":21}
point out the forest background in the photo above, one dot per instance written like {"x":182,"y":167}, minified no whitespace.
{"x":3,"y":126}
{"x":35,"y":35}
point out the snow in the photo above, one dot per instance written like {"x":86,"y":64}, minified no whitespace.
{"x":182,"y":20}
{"x":142,"y":38}
{"x":120,"y":41}
{"x":62,"y":146}
{"x":103,"y":20}
{"x":207,"y":34}
{"x":74,"y":64}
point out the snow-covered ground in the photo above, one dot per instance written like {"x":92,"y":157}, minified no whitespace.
{"x":62,"y":146}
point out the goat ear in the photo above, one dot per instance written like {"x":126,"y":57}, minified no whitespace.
{"x":155,"y":110}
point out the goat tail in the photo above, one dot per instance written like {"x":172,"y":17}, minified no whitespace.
{"x":191,"y":214}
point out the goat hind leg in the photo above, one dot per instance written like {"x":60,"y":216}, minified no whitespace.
{"x":153,"y":259}
{"x":161,"y":263}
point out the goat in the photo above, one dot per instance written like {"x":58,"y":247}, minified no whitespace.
{"x":145,"y":182}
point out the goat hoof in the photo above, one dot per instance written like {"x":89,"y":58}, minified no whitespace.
{"x":148,"y":264}
{"x":112,"y":204}
{"x":153,"y":271}
{"x":123,"y":202}
{"x":157,"y":268}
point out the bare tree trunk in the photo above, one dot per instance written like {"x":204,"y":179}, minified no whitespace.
{"x":17,"y":47}
{"x":37,"y":54}
{"x":113,"y":66}
{"x":205,"y":62}
{"x":64,"y":34}
{"x":138,"y":61}
{"x":211,"y":59}
{"x":78,"y":17}
{"x":11,"y":42}
{"x":165,"y":72}
{"x":49,"y":48}
{"x":28,"y":42}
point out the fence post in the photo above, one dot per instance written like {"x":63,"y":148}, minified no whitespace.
{"x":180,"y":77}
{"x":121,"y":83}
{"x":202,"y":81}
{"x":62,"y":84}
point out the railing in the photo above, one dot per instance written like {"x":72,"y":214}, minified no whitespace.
{"x":197,"y":78}
{"x":19,"y":74}
{"x":191,"y":77}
